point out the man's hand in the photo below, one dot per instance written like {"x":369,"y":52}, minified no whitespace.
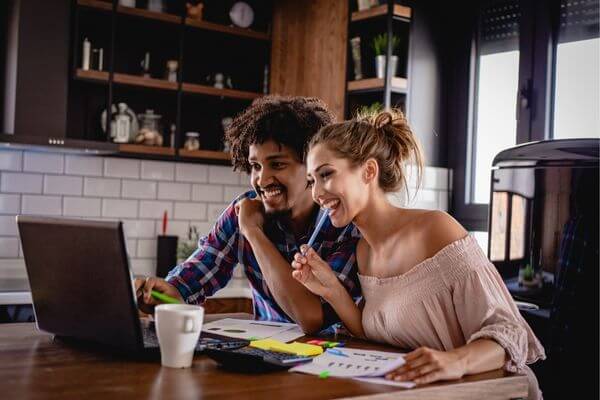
{"x":251,"y":215}
{"x":314,"y":273}
{"x":143,"y":287}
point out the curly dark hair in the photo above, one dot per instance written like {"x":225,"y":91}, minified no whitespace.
{"x":287,"y":120}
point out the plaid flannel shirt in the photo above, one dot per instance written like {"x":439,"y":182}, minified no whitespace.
{"x":210,"y":267}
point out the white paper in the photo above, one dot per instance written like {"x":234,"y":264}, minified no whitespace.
{"x":250,"y":329}
{"x":368,"y":365}
{"x":383,"y":381}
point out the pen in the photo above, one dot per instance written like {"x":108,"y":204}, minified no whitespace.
{"x":336,"y":352}
{"x":164,"y":223}
{"x":324,"y":216}
{"x":164,"y":298}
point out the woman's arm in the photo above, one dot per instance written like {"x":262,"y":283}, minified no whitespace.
{"x":317,"y":276}
{"x":425,"y":365}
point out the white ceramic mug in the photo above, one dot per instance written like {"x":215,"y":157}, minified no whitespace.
{"x":178,"y":328}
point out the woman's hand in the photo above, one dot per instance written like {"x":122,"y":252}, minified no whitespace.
{"x":425,"y":365}
{"x":314,"y":273}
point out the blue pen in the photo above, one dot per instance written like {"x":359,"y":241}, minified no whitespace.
{"x":336,"y":352}
{"x":320,"y":223}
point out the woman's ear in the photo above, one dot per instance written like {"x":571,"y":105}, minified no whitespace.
{"x":370,"y":170}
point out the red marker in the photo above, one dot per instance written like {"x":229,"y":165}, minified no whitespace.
{"x":164,"y":226}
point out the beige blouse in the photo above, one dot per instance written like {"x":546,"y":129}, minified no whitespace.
{"x":447,"y":301}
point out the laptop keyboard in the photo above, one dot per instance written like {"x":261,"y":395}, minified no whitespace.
{"x":206,"y":341}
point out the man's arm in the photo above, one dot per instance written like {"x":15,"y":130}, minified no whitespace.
{"x":299,"y":303}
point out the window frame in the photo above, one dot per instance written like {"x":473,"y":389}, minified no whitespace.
{"x":538,"y":32}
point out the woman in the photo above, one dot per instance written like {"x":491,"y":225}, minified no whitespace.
{"x":426,"y":283}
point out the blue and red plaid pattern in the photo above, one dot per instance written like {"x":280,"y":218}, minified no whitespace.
{"x":210,"y":267}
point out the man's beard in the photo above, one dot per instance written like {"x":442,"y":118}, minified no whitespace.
{"x":278,"y":215}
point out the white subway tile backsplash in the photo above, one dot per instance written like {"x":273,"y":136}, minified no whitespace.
{"x":10,"y":203}
{"x":155,"y":209}
{"x":443,"y":200}
{"x":146,"y":248}
{"x":143,"y":266}
{"x":174,"y":191}
{"x":16,"y":182}
{"x":83,"y":165}
{"x":211,"y":193}
{"x":12,"y":268}
{"x":203,"y":227}
{"x":244,"y":179}
{"x":222,"y":175}
{"x":119,"y":208}
{"x":11,"y":160}
{"x":131,"y":247}
{"x":435,"y":178}
{"x":42,"y":205}
{"x":9,"y":247}
{"x":82,"y":207}
{"x":425,"y":199}
{"x":63,"y":184}
{"x":190,"y":211}
{"x":43,"y":162}
{"x":177,"y":228}
{"x":139,"y":228}
{"x":99,"y":187}
{"x":233,"y":192}
{"x":8,"y":225}
{"x":215,"y":210}
{"x":138,"y":189}
{"x":191,"y":172}
{"x":158,"y":170}
{"x":121,"y":168}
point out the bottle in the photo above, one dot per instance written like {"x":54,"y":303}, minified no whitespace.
{"x":266,"y":80}
{"x":85,"y":55}
{"x":172,"y":136}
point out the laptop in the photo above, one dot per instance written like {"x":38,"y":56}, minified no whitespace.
{"x":82,"y":286}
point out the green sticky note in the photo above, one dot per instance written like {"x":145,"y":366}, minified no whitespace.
{"x":324,"y":375}
{"x":251,"y":338}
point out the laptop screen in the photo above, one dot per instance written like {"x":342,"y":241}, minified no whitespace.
{"x":80,"y":279}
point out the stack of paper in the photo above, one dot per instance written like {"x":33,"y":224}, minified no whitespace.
{"x":365,"y":365}
{"x":254,"y":330}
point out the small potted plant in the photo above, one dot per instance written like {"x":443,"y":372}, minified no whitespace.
{"x":380,"y":44}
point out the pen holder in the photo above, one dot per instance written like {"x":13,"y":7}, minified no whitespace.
{"x":166,"y":254}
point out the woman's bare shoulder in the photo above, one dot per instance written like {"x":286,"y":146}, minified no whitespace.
{"x":437,"y":229}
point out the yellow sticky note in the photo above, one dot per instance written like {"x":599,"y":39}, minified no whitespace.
{"x":301,"y":349}
{"x":265,"y":344}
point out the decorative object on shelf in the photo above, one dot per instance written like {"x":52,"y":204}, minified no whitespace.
{"x":145,"y":64}
{"x":374,"y":3}
{"x":380,"y":48}
{"x":225,"y":124}
{"x":127,"y":3}
{"x":266,"y":79}
{"x":149,"y":133}
{"x":356,"y":58}
{"x":171,"y":72}
{"x":363,"y":4}
{"x":192,"y":141}
{"x":133,"y":123}
{"x":194,"y":11}
{"x":97,"y":61}
{"x":156,"y":5}
{"x":123,"y":124}
{"x":186,"y":248}
{"x":371,"y":109}
{"x":172,"y":131}
{"x":219,"y":81}
{"x":86,"y":54}
{"x":241,"y":14}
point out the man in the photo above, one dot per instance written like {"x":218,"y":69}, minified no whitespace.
{"x":264,"y":228}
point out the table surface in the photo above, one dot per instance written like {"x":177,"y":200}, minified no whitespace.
{"x":34,"y":365}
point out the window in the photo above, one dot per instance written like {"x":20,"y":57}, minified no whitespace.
{"x":495,"y":96}
{"x":577,"y":74}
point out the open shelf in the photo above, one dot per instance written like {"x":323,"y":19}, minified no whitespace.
{"x":142,"y":149}
{"x":204,"y":154}
{"x":140,"y":81}
{"x":399,"y":85}
{"x":400,"y":11}
{"x":175,"y":19}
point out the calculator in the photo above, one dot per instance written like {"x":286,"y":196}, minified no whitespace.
{"x":251,"y":359}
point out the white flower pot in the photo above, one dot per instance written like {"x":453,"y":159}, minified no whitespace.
{"x":380,"y":65}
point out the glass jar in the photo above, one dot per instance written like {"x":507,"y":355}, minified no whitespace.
{"x":192,"y":141}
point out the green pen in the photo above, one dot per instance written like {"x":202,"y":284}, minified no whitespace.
{"x":164,"y":298}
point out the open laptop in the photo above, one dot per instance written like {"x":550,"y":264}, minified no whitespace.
{"x":82,"y":286}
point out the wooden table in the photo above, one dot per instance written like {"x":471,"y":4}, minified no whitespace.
{"x":35,"y":366}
